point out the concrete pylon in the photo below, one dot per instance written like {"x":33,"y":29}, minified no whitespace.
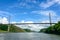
{"x":50,"y":19}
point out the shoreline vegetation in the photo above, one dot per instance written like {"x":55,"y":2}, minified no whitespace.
{"x":53,"y":29}
{"x":13,"y":28}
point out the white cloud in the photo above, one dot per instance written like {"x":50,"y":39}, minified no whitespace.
{"x":2,"y":13}
{"x":4,"y":20}
{"x":54,"y":17}
{"x":14,"y":22}
{"x":26,"y":21}
{"x":32,"y":1}
{"x":6,"y":14}
{"x":57,"y":1}
{"x":49,"y":3}
{"x":53,"y":20}
{"x":23,"y":21}
{"x":46,"y":5}
{"x":35,"y":27}
{"x":45,"y":21}
{"x":24,"y":4}
{"x":45,"y":13}
{"x":20,"y":5}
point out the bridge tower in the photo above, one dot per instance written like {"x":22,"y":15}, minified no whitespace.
{"x":50,"y":19}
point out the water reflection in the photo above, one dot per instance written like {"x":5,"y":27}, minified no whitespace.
{"x":28,"y":36}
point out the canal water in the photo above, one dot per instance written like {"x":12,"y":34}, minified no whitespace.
{"x":28,"y":36}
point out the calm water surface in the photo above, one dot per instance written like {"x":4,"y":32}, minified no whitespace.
{"x":28,"y":36}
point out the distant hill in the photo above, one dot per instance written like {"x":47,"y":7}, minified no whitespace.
{"x":28,"y":30}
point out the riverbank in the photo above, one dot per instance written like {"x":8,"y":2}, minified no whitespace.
{"x":53,"y":29}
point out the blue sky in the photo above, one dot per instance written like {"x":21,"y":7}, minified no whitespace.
{"x":30,"y":10}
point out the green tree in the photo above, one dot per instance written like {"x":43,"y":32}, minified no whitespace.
{"x":54,"y":29}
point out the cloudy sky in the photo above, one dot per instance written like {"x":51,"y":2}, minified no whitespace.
{"x":29,"y":10}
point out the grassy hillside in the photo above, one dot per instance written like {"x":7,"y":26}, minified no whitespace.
{"x":13,"y":28}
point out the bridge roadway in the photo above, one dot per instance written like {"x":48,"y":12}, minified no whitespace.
{"x":30,"y":23}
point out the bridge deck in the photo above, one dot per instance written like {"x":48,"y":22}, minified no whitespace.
{"x":31,"y":23}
